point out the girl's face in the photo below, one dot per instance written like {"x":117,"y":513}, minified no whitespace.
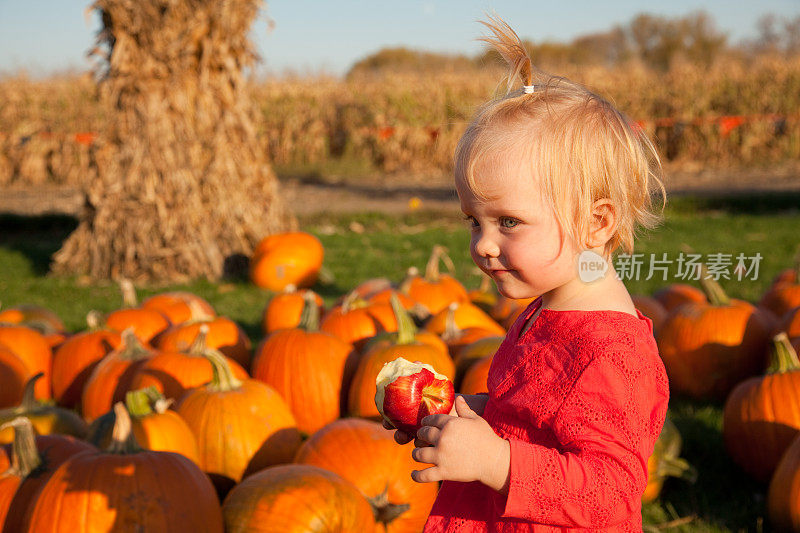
{"x":516,"y":238}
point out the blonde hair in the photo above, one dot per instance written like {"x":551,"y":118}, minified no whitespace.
{"x":582,"y":148}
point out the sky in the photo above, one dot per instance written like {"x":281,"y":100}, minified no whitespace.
{"x":318,"y":36}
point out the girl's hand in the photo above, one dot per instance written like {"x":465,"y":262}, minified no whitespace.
{"x":477,"y":402}
{"x":462,"y":448}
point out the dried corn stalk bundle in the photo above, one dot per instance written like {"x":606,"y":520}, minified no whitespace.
{"x":180,"y":181}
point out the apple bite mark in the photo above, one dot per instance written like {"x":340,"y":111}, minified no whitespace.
{"x":407,"y":392}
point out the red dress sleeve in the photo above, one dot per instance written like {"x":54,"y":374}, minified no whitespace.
{"x":607,"y":426}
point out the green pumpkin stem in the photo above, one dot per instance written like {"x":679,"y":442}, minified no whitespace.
{"x":25,"y":457}
{"x":223,"y":379}
{"x":783,"y":357}
{"x":132,"y":347}
{"x":139,"y":402}
{"x":714,"y":291}
{"x":451,"y":329}
{"x":199,"y":342}
{"x":384,"y":511}
{"x":122,"y":440}
{"x":29,"y":402}
{"x":309,"y":318}
{"x":676,"y":467}
{"x":406,"y":329}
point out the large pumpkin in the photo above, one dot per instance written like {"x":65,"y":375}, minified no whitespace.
{"x":180,"y":306}
{"x":761,"y":416}
{"x":113,"y":376}
{"x":37,"y":317}
{"x":75,"y":359}
{"x":361,"y":396}
{"x":293,"y":258}
{"x":356,"y":320}
{"x":127,"y":489}
{"x":307,"y":368}
{"x":45,"y":417}
{"x":173,"y":373}
{"x":784,"y":293}
{"x":13,"y":376}
{"x":476,"y":376}
{"x":366,"y":454}
{"x":31,"y":348}
{"x":434,"y":291}
{"x":285,"y":309}
{"x":783,"y":495}
{"x":296,"y":499}
{"x":676,"y":294}
{"x":240,"y":425}
{"x":222,"y":334}
{"x":26,"y":465}
{"x":708,"y":348}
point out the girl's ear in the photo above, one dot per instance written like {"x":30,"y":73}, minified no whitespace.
{"x":604,"y":223}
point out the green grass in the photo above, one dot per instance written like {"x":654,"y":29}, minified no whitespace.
{"x":366,"y":245}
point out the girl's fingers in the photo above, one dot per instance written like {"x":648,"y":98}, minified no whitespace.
{"x":436,"y":420}
{"x":428,"y":435}
{"x":428,"y":475}
{"x":424,"y":455}
{"x":401,"y":437}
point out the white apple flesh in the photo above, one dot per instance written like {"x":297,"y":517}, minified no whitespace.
{"x":408,"y":392}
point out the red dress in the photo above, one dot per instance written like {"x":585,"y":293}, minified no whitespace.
{"x":581,"y":397}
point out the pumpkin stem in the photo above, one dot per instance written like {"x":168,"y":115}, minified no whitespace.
{"x":406,"y":329}
{"x":411,"y":274}
{"x":198,"y":312}
{"x":384,"y":511}
{"x":29,"y":402}
{"x":94,"y":319}
{"x":350,"y":302}
{"x":138,"y":402}
{"x":122,"y":440}
{"x":223,"y":379}
{"x":128,"y":292}
{"x":132,"y":348}
{"x":199,"y":343}
{"x":451,"y":329}
{"x":25,"y":457}
{"x":309,"y":318}
{"x":714,"y":291}
{"x":783,"y":357}
{"x":676,"y":467}
{"x":432,"y":268}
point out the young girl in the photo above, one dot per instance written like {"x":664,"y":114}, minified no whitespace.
{"x":552,"y":180}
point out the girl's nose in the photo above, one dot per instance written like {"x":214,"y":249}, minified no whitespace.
{"x":485,"y":246}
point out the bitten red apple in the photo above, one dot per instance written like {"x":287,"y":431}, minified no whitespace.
{"x":408,"y":392}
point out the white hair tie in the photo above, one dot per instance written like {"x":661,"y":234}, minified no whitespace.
{"x":529,"y":89}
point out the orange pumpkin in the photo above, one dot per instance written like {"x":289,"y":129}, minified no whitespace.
{"x":33,"y":350}
{"x":127,"y":488}
{"x":293,"y":258}
{"x":677,"y":294}
{"x":307,"y":367}
{"x":37,"y":317}
{"x":377,"y":466}
{"x":462,"y":316}
{"x":113,"y":376}
{"x":26,"y":465}
{"x":285,"y":309}
{"x":790,"y":323}
{"x":180,"y":307}
{"x":475,"y":377}
{"x":784,"y":293}
{"x":13,"y":375}
{"x":361,"y":397}
{"x":75,"y":359}
{"x":506,"y":310}
{"x":45,"y":417}
{"x":174,"y":373}
{"x":708,"y":348}
{"x":485,"y":297}
{"x":355,"y":320}
{"x":295,"y":499}
{"x":434,"y":291}
{"x":760,"y":418}
{"x":784,"y":491}
{"x":241,"y":425}
{"x":222,"y":334}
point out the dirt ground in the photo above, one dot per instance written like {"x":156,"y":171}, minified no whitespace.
{"x":399,"y":193}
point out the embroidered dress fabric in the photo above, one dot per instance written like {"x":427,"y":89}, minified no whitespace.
{"x":581,"y":396}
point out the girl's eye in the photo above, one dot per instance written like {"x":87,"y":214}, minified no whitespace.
{"x":508,"y":222}
{"x":471,"y":221}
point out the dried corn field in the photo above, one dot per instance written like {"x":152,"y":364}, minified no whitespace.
{"x":730,"y":115}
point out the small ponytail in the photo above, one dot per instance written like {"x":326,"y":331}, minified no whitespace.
{"x":508,"y":44}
